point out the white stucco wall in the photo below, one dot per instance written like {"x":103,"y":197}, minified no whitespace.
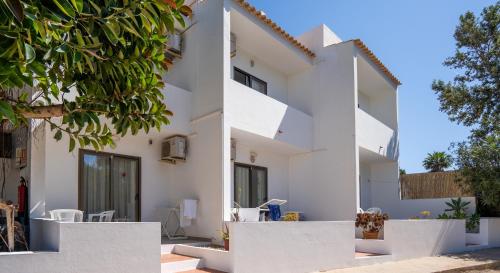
{"x":319,"y":37}
{"x":200,"y":178}
{"x":290,"y":246}
{"x":480,"y":238}
{"x":493,"y":232}
{"x":365,"y":186}
{"x":375,"y":136}
{"x":251,"y":111}
{"x":419,"y":238}
{"x":323,"y":182}
{"x":276,"y":81}
{"x":89,"y":247}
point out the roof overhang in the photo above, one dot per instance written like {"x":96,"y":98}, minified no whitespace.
{"x":255,"y":38}
{"x":375,"y":61}
{"x":261,"y":16}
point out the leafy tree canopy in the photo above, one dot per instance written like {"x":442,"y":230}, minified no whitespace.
{"x":473,"y":98}
{"x":479,"y":163}
{"x":437,"y":161}
{"x":86,"y":61}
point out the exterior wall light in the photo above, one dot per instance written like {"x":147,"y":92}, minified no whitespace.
{"x":253,"y":155}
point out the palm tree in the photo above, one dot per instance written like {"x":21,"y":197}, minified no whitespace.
{"x":437,"y":161}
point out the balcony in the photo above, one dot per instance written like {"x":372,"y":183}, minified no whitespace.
{"x":256,"y":113}
{"x":375,"y":136}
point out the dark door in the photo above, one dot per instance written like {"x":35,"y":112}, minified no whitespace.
{"x":250,"y":185}
{"x":110,"y":182}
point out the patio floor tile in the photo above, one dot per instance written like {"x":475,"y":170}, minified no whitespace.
{"x":201,"y":270}
{"x":170,"y":258}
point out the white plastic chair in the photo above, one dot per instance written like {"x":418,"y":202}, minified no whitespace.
{"x":374,"y":210}
{"x":105,"y":216}
{"x":279,"y":202}
{"x":66,"y":215}
{"x":246,"y":214}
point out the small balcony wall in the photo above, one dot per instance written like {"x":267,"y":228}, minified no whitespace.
{"x":375,"y":136}
{"x":291,"y":246}
{"x":109,"y":247}
{"x":256,"y":113}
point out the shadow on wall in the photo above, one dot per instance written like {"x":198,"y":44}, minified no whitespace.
{"x":295,"y":128}
{"x":438,"y":246}
{"x":392,"y":150}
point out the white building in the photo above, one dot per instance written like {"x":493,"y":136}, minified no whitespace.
{"x":312,"y":120}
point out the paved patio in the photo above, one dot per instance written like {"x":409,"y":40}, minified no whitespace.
{"x":479,"y":261}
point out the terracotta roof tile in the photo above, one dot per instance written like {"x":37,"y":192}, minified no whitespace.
{"x":359,"y":44}
{"x":263,"y":18}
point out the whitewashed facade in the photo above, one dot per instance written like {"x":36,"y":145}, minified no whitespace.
{"x":326,"y":130}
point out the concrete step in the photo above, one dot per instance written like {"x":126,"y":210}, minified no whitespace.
{"x":202,"y":270}
{"x":171,"y":263}
{"x":363,"y":258}
{"x":474,"y":247}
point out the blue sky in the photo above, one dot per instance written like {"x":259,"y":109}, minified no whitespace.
{"x":412,"y":38}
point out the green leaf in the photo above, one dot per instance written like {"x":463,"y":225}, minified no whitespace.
{"x":65,"y":7}
{"x":110,"y":34}
{"x":79,"y":37}
{"x":7,"y":111}
{"x":71,"y":144}
{"x":95,"y":144}
{"x":96,"y":7}
{"x":16,"y":8}
{"x":78,"y":4}
{"x":90,"y":128}
{"x":58,"y":135}
{"x":29,"y":52}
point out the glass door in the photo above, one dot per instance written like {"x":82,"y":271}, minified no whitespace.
{"x":110,"y":182}
{"x":250,"y":185}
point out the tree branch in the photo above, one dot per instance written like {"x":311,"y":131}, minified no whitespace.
{"x":44,"y":111}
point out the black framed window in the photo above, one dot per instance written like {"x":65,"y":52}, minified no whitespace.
{"x":250,"y":81}
{"x":250,"y":185}
{"x":110,"y":182}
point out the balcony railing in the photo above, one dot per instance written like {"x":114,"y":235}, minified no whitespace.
{"x":262,"y":115}
{"x":376,"y":136}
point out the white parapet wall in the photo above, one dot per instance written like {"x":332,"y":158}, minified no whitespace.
{"x":89,"y":247}
{"x":493,"y":231}
{"x":480,"y":238}
{"x":290,"y":246}
{"x":211,"y":258}
{"x":419,"y":238}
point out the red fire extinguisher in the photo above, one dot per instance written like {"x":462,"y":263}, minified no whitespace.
{"x":22,"y":196}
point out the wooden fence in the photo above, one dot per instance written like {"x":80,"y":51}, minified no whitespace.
{"x":431,"y":185}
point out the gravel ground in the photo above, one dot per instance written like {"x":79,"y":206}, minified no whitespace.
{"x":492,"y":270}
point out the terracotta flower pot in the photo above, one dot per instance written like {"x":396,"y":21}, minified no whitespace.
{"x":370,"y":235}
{"x":226,"y":244}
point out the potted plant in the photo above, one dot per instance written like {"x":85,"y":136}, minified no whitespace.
{"x":371,"y":223}
{"x":225,"y":237}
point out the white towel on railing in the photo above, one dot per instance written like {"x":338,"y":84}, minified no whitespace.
{"x":187,"y":211}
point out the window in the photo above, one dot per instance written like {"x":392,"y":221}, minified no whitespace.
{"x":250,"y":81}
{"x":109,"y":182}
{"x":250,"y":185}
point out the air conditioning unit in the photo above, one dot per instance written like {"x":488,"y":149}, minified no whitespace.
{"x":174,"y":149}
{"x":233,"y":44}
{"x":233,"y":149}
{"x":174,"y":43}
